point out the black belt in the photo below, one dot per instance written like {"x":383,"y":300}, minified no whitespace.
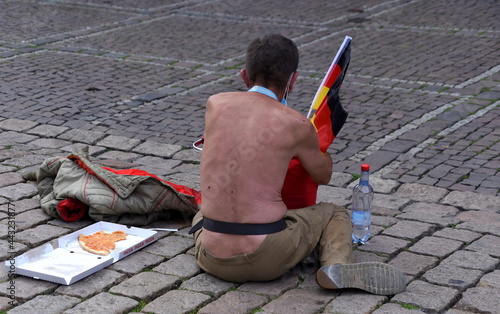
{"x":239,"y":228}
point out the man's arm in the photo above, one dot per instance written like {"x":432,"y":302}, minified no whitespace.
{"x":315,"y":162}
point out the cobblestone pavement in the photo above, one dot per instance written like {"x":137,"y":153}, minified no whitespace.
{"x":130,"y":78}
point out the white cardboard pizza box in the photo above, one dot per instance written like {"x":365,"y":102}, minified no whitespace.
{"x":65,"y":262}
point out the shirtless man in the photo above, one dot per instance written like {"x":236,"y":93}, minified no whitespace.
{"x":244,"y":231}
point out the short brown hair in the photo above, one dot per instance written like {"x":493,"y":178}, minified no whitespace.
{"x":271,"y":60}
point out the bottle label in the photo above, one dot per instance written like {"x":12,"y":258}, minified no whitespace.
{"x":361,"y":217}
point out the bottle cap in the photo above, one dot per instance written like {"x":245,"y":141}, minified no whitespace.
{"x":365,"y":167}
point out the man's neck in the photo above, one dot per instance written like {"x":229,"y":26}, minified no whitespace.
{"x":277,"y":92}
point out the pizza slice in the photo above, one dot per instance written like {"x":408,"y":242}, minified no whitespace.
{"x":101,"y":242}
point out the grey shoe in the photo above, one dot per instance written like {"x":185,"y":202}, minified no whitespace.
{"x":374,"y":277}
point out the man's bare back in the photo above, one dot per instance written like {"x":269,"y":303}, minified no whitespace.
{"x":249,"y":141}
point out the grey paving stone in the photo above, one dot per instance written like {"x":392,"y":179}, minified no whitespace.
{"x":234,"y":302}
{"x":29,"y":219}
{"x":385,"y":221}
{"x":488,"y":244}
{"x":177,"y":302}
{"x":472,"y":260}
{"x":170,"y":246}
{"x":361,"y":257}
{"x":392,"y":308}
{"x":389,"y":201}
{"x":271,"y":289}
{"x":409,"y":230}
{"x":9,"y":247}
{"x":384,"y":244}
{"x":157,"y":165}
{"x":454,"y":311}
{"x":182,"y":265}
{"x":4,"y":169}
{"x":40,"y":234}
{"x":479,"y":221}
{"x":77,"y":147}
{"x":337,"y":196}
{"x":47,"y":130}
{"x":92,"y":285}
{"x":434,"y":246}
{"x":458,"y":234}
{"x":73,"y":226}
{"x":105,"y":303}
{"x":17,"y":124}
{"x":491,"y":280}
{"x":119,"y":155}
{"x":340,"y":179}
{"x":11,"y":138}
{"x":21,"y":205}
{"x":413,"y":264}
{"x":207,"y":284}
{"x":187,"y":179}
{"x":46,"y":304}
{"x":432,"y":213}
{"x":7,"y":303}
{"x":427,"y":296}
{"x":18,"y":191}
{"x":472,"y":201}
{"x":453,"y":276}
{"x":421,"y":193}
{"x":28,"y":160}
{"x":82,"y":136}
{"x":297,"y":301}
{"x":49,"y":143}
{"x":26,"y":288}
{"x":10,"y":178}
{"x":146,"y":286}
{"x":4,"y":272}
{"x":136,"y":263}
{"x":479,"y":299}
{"x":157,"y":149}
{"x":119,"y":142}
{"x":354,"y":302}
{"x":188,"y":155}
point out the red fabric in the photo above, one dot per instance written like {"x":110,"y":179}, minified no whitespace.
{"x":180,"y":188}
{"x":71,"y":210}
{"x":323,"y":124}
{"x":299,"y":189}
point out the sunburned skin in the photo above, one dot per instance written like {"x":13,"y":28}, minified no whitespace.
{"x":242,"y":176}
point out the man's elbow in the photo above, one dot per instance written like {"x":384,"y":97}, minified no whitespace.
{"x":323,"y":178}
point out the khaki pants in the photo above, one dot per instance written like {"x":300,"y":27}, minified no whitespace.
{"x":325,"y":224}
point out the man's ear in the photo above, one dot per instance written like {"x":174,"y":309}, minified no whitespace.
{"x":292,"y":80}
{"x":244,"y":76}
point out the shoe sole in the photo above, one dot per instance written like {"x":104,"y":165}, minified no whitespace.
{"x":374,"y":277}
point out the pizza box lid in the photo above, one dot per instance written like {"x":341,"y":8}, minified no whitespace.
{"x":65,"y":262}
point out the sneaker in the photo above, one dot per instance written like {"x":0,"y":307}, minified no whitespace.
{"x":374,"y":277}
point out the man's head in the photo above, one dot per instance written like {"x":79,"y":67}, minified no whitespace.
{"x":271,"y":60}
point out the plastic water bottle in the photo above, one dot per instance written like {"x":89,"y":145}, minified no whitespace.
{"x":362,"y":203}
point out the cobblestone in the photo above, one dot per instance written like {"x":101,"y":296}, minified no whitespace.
{"x":105,"y":303}
{"x":427,"y":296}
{"x":423,"y":111}
{"x":145,"y":286}
{"x":435,"y":246}
{"x":234,"y":302}
{"x":92,"y":285}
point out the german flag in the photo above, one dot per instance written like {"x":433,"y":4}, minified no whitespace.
{"x":329,"y":115}
{"x":299,"y":189}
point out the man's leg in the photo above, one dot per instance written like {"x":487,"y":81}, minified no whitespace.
{"x":278,"y":253}
{"x":338,"y":270}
